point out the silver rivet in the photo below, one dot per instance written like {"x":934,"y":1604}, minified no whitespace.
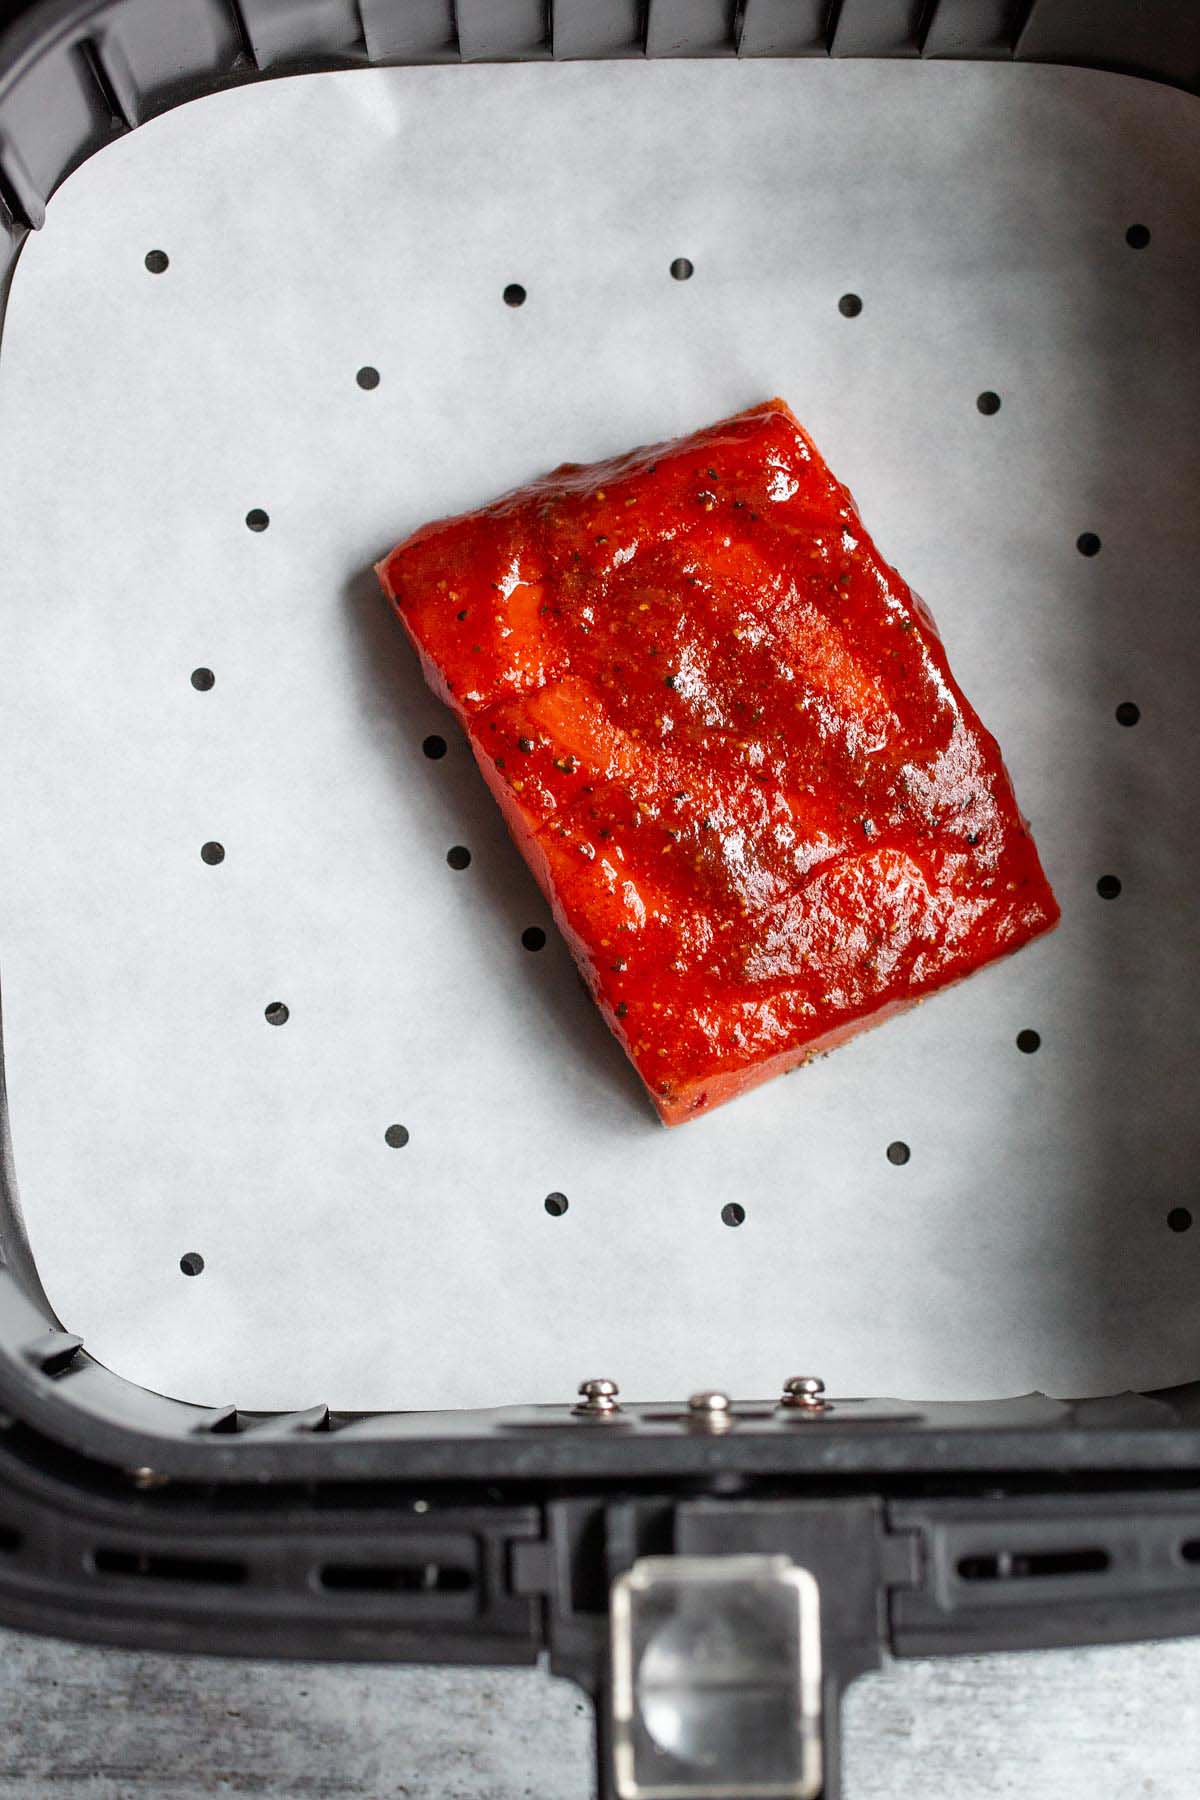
{"x":145,"y":1478}
{"x":709,"y":1410}
{"x":804,"y":1392}
{"x":598,"y":1398}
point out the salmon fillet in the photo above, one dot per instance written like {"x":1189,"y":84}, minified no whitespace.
{"x":726,"y":738}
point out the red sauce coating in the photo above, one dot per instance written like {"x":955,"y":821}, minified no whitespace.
{"x":726,"y":738}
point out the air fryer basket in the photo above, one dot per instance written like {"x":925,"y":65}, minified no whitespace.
{"x":131,"y":1518}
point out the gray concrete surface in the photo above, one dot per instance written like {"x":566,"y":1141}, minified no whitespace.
{"x":1104,"y":1724}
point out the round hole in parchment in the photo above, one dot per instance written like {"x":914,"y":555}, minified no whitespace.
{"x":556,"y":1205}
{"x":1128,"y":713}
{"x":458,"y":856}
{"x":202,"y":680}
{"x":533,"y":938}
{"x":212,"y":852}
{"x":1028,"y":1042}
{"x":514,"y":294}
{"x":434,"y":747}
{"x":1137,"y":237}
{"x":396,"y":1136}
{"x":1108,"y":887}
{"x":277,"y":1013}
{"x":850,"y":305}
{"x":157,"y":261}
{"x":988,"y":403}
{"x":257,"y":519}
{"x":367,"y":377}
{"x":1179,"y":1219}
{"x":682,"y":269}
{"x":733,"y":1213}
{"x":192,"y":1263}
{"x":1087,"y":543}
{"x":898,"y":1153}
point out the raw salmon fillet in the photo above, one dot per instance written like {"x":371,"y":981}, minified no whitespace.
{"x":726,"y":738}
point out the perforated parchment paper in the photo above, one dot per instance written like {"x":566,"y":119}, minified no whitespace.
{"x":316,"y":227}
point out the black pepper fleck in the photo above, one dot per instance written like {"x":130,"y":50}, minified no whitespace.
{"x":462,"y":615}
{"x":622,"y":1009}
{"x":525,"y":744}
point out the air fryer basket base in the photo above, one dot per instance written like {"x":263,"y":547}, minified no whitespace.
{"x":980,"y":212}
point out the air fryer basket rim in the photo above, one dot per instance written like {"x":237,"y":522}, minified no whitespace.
{"x":129,"y":62}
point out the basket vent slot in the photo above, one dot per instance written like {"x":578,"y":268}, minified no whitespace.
{"x":396,"y":1578}
{"x":1030,"y":1565}
{"x":152,"y":1565}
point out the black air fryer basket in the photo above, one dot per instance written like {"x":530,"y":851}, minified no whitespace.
{"x":727,"y":1570}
